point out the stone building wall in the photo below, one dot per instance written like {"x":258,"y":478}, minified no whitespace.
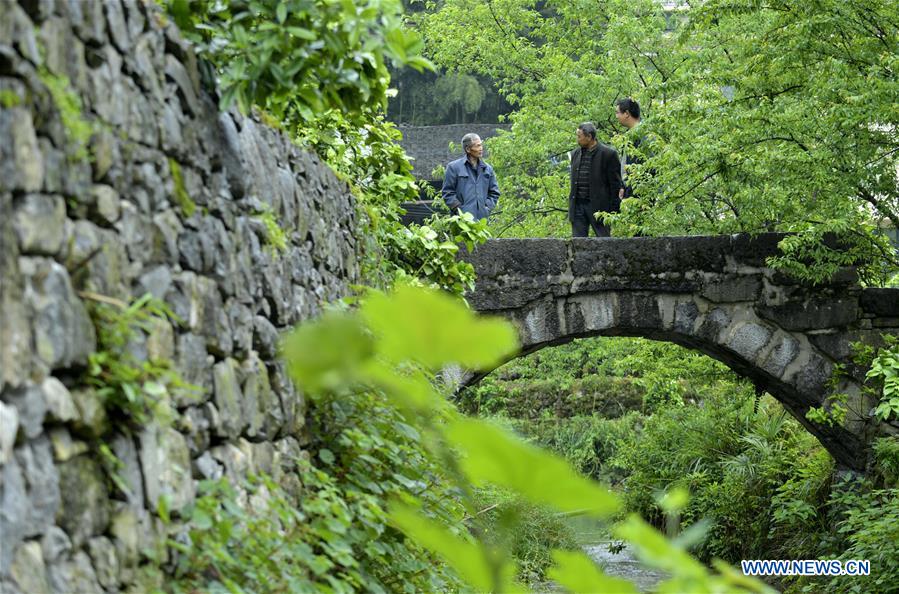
{"x":145,"y":187}
{"x":429,"y":145}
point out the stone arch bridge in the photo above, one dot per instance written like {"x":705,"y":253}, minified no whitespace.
{"x":713,"y":294}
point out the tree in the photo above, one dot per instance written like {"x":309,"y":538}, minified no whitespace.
{"x":761,"y":117}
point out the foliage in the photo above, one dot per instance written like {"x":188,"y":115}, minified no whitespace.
{"x":608,"y":376}
{"x":298,"y":59}
{"x":429,"y":252}
{"x":832,"y":412}
{"x":274,"y":234}
{"x":886,"y":453}
{"x":884,"y":374}
{"x":745,"y":473}
{"x":727,"y":90}
{"x":590,"y":443}
{"x":130,"y":384}
{"x":387,"y":344}
{"x":420,"y":98}
{"x":78,"y":130}
{"x":529,"y":532}
{"x":333,"y":537}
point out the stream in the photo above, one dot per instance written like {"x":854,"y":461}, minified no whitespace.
{"x":624,"y":564}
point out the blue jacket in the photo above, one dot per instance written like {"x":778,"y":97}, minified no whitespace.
{"x":461,"y":190}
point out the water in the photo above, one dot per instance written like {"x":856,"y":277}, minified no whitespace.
{"x":594,"y":539}
{"x":624,"y":564}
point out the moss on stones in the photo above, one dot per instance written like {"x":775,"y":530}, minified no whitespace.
{"x":187,"y":205}
{"x":78,"y":130}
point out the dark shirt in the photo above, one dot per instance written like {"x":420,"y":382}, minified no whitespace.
{"x":473,"y":171}
{"x":583,"y":173}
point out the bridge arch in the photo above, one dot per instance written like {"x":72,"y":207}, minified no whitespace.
{"x":712,"y":294}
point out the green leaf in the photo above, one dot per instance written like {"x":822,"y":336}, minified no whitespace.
{"x":162,"y":508}
{"x":578,"y":573}
{"x":201,"y":519}
{"x":655,"y":550}
{"x":329,"y":353}
{"x":412,"y":391}
{"x":281,"y":12}
{"x":490,"y":454}
{"x":674,"y":500}
{"x":434,"y":329}
{"x":326,"y":455}
{"x":301,"y":33}
{"x":468,"y":559}
{"x":155,"y":389}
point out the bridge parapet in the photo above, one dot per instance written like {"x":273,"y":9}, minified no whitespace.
{"x":714,"y":294}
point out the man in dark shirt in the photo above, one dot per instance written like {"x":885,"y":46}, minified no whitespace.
{"x":595,"y":183}
{"x":627,"y":112}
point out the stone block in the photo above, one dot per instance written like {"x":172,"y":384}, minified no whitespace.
{"x":125,"y":530}
{"x":118,"y":29}
{"x":639,"y":311}
{"x":195,"y":365}
{"x":643,"y":257}
{"x":76,"y":575}
{"x":105,"y":562}
{"x":21,"y":162}
{"x":685,"y":315}
{"x":784,"y":353}
{"x":62,"y":330}
{"x":813,"y":377}
{"x":130,"y":473}
{"x":42,"y":485}
{"x":9,"y":428}
{"x":538,"y":323}
{"x":748,"y":339}
{"x":291,"y":414}
{"x":92,"y":420}
{"x":258,"y":400}
{"x":195,"y":424}
{"x":60,"y":405}
{"x":64,"y":447}
{"x":31,"y":407}
{"x":166,"y":466}
{"x":732,"y":288}
{"x":39,"y":222}
{"x":14,"y":511}
{"x":206,"y":468}
{"x":527,"y":258}
{"x":265,"y":337}
{"x":233,"y":459}
{"x":106,"y":204}
{"x":227,"y":397}
{"x":55,"y":544}
{"x":811,"y":314}
{"x":84,"y":512}
{"x":28,"y":570}
{"x":754,"y":250}
{"x":590,"y":313}
{"x":880,"y":302}
{"x":240,"y":318}
{"x":712,"y":324}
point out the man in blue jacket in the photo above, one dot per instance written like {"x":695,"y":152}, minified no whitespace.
{"x":470,"y":184}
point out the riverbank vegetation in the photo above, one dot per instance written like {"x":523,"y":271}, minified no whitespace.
{"x":650,"y":418}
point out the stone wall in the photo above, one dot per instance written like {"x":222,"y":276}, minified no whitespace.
{"x":429,"y":145}
{"x":144,"y":187}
